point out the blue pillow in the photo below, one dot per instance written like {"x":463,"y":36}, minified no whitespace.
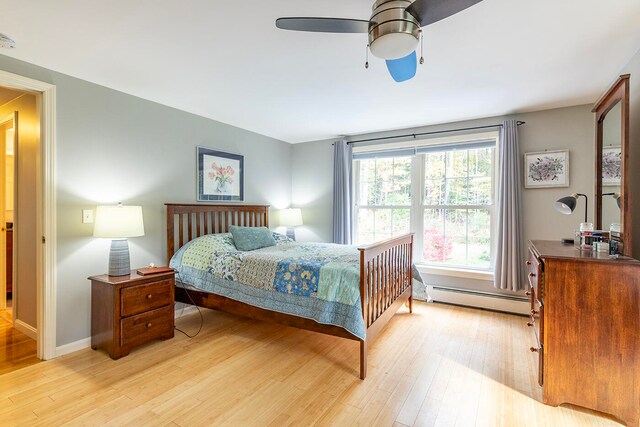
{"x":250,"y":238}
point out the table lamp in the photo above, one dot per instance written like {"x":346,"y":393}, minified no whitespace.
{"x":616,"y":197}
{"x":119,"y":223}
{"x":567,"y":205}
{"x":291,"y":218}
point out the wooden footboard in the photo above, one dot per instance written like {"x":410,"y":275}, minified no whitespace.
{"x":385,"y":284}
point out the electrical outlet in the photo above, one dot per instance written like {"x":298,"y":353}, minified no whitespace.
{"x":87,"y":216}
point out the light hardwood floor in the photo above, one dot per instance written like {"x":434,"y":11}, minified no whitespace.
{"x":16,"y":349}
{"x":441,"y":366}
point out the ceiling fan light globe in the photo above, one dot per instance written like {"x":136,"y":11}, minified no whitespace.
{"x":394,"y":45}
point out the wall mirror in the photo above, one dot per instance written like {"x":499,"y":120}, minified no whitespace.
{"x":613,"y":200}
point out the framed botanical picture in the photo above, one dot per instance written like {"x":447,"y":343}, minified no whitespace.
{"x":220,"y":176}
{"x":612,"y":165}
{"x":546,"y":169}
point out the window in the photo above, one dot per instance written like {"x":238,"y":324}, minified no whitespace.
{"x":457,"y":207}
{"x":443,"y":193}
{"x":384,"y":198}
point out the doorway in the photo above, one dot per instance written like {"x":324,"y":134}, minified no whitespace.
{"x":8,"y":140}
{"x":44,"y":235}
{"x":18,"y":305}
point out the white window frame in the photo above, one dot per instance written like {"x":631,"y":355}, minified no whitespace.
{"x":417,"y":199}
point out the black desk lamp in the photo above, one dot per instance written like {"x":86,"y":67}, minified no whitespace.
{"x":616,"y":196}
{"x":568,"y":204}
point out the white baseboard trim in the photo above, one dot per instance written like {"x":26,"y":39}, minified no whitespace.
{"x":26,"y":329}
{"x":479,"y":300}
{"x":73,"y":347}
{"x":86,"y":342}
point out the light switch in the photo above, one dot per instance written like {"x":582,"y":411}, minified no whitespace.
{"x":87,"y":216}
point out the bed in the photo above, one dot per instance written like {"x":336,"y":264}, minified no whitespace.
{"x":383,"y":273}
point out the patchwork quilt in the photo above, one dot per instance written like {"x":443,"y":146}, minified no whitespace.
{"x":318,"y":281}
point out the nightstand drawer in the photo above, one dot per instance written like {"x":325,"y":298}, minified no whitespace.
{"x":141,"y":298}
{"x":144,"y":327}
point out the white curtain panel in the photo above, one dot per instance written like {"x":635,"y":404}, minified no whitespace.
{"x":509,"y":271}
{"x":342,"y":199}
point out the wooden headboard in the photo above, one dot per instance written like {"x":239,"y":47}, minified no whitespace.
{"x":186,"y":222}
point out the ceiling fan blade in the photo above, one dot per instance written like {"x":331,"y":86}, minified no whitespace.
{"x":403,"y":69}
{"x":323,"y":25}
{"x":430,"y":11}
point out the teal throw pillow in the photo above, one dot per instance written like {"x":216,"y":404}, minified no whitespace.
{"x":250,"y":238}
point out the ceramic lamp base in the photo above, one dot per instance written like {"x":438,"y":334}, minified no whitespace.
{"x":119,"y":264}
{"x":291,"y":233}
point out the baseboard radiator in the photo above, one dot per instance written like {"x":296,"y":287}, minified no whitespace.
{"x":480,"y":299}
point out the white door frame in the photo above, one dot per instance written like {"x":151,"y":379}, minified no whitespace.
{"x":45,"y":210}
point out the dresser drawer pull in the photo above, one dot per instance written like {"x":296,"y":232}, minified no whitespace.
{"x":528,"y":293}
{"x":149,"y":325}
{"x":532,"y":275}
{"x":534,"y":312}
{"x":527,"y":263}
{"x":534,"y":350}
{"x":149,"y":296}
{"x":530,"y":324}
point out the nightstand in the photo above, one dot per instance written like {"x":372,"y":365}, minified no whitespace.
{"x":128,"y":311}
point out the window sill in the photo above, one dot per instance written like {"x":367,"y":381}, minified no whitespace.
{"x":455,"y":272}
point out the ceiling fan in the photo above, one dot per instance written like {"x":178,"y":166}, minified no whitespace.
{"x":394,"y":29}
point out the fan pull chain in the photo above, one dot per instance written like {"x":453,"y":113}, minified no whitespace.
{"x":366,"y":64}
{"x":421,"y":48}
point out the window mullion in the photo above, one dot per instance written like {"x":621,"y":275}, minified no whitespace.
{"x":417,"y":198}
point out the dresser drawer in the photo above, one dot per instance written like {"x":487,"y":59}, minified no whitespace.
{"x":145,"y":327}
{"x":141,"y":298}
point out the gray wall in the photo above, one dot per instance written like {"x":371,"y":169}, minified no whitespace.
{"x":633,"y":68}
{"x":115,"y":147}
{"x":565,"y":128}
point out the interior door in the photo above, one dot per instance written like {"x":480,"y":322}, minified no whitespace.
{"x":8,"y":137}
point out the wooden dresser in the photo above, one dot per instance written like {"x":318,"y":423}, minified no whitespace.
{"x":128,"y":311}
{"x":586,"y":316}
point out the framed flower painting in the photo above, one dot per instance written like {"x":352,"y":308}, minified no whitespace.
{"x":612,"y":165}
{"x":220,"y":176}
{"x":546,"y":169}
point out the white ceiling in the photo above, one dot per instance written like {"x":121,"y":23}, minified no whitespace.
{"x":227,"y":61}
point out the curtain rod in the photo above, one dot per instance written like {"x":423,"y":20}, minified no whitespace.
{"x":414,"y":135}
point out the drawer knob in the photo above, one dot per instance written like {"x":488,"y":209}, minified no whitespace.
{"x":149,"y":325}
{"x":532,"y":275}
{"x":149,"y":296}
{"x":534,"y":313}
{"x":534,"y":350}
{"x":528,"y":293}
{"x":527,"y":262}
{"x":530,"y":324}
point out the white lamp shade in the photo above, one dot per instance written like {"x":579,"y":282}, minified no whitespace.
{"x":394,"y":45}
{"x":118,"y":222}
{"x":291,"y":217}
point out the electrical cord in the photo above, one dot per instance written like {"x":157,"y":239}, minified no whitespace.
{"x":192,"y":302}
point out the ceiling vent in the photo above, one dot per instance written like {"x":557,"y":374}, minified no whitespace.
{"x":7,"y":42}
